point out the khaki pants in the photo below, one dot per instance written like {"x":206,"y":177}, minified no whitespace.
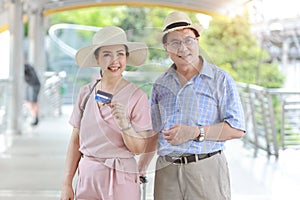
{"x":206,"y":179}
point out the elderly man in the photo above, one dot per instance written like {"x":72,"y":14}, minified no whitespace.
{"x":195,"y":108}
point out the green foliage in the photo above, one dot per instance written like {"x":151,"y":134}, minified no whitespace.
{"x":272,"y":77}
{"x":231,"y":46}
{"x":228,"y":42}
{"x":89,"y":16}
{"x":26,"y":29}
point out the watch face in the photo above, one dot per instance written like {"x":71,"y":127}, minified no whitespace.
{"x":201,"y":137}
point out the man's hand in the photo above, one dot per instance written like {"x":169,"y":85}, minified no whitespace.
{"x":180,"y":133}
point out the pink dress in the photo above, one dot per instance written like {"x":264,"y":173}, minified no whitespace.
{"x":108,"y":170}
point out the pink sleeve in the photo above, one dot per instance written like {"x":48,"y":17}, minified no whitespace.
{"x":75,"y":118}
{"x":140,"y":113}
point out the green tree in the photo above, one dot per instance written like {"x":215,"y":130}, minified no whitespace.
{"x":230,"y":44}
{"x":89,"y":16}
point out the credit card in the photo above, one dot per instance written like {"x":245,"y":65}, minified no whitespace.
{"x":103,"y":97}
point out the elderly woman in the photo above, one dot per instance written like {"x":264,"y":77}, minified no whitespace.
{"x":111,"y":123}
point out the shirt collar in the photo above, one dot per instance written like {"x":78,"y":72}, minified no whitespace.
{"x":206,"y":69}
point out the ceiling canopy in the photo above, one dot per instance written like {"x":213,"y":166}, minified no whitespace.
{"x":214,"y":8}
{"x":210,"y":7}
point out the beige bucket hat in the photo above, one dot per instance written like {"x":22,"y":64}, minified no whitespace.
{"x":111,"y":35}
{"x":177,"y":21}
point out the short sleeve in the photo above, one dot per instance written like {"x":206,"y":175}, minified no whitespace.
{"x":231,"y":109}
{"x":140,"y":116}
{"x":75,"y":118}
{"x":155,"y":114}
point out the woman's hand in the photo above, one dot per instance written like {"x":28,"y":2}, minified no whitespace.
{"x":67,"y":193}
{"x":119,"y":112}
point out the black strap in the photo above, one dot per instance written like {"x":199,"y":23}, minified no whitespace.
{"x":176,"y":24}
{"x":88,"y":96}
{"x":190,"y":158}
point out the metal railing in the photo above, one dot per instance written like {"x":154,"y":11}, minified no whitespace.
{"x":272,"y":119}
{"x":272,"y":115}
{"x":50,"y":97}
{"x":290,"y":127}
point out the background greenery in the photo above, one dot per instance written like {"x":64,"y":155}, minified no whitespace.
{"x":228,"y":42}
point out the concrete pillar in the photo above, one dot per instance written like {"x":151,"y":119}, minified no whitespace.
{"x":36,"y":38}
{"x":16,"y":69}
{"x":37,"y":49}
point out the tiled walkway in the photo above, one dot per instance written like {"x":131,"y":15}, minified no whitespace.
{"x":32,"y":164}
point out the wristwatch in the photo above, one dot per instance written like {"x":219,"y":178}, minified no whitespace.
{"x":200,"y":137}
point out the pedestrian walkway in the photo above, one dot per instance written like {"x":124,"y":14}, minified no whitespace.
{"x":32,"y":164}
{"x":263,"y":177}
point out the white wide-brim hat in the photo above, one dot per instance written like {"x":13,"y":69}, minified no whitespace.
{"x":178,"y":21}
{"x":111,"y":35}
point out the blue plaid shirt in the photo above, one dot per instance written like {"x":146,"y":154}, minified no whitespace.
{"x":210,"y":97}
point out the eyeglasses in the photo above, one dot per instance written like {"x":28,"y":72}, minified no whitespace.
{"x":176,"y":44}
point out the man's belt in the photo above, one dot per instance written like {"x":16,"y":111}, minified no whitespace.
{"x":189,"y":158}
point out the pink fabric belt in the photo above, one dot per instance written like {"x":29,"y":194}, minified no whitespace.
{"x":113,"y":164}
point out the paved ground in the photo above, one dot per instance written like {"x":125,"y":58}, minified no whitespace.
{"x":32,"y":164}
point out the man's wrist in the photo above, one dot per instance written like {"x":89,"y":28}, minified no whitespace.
{"x":200,"y":134}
